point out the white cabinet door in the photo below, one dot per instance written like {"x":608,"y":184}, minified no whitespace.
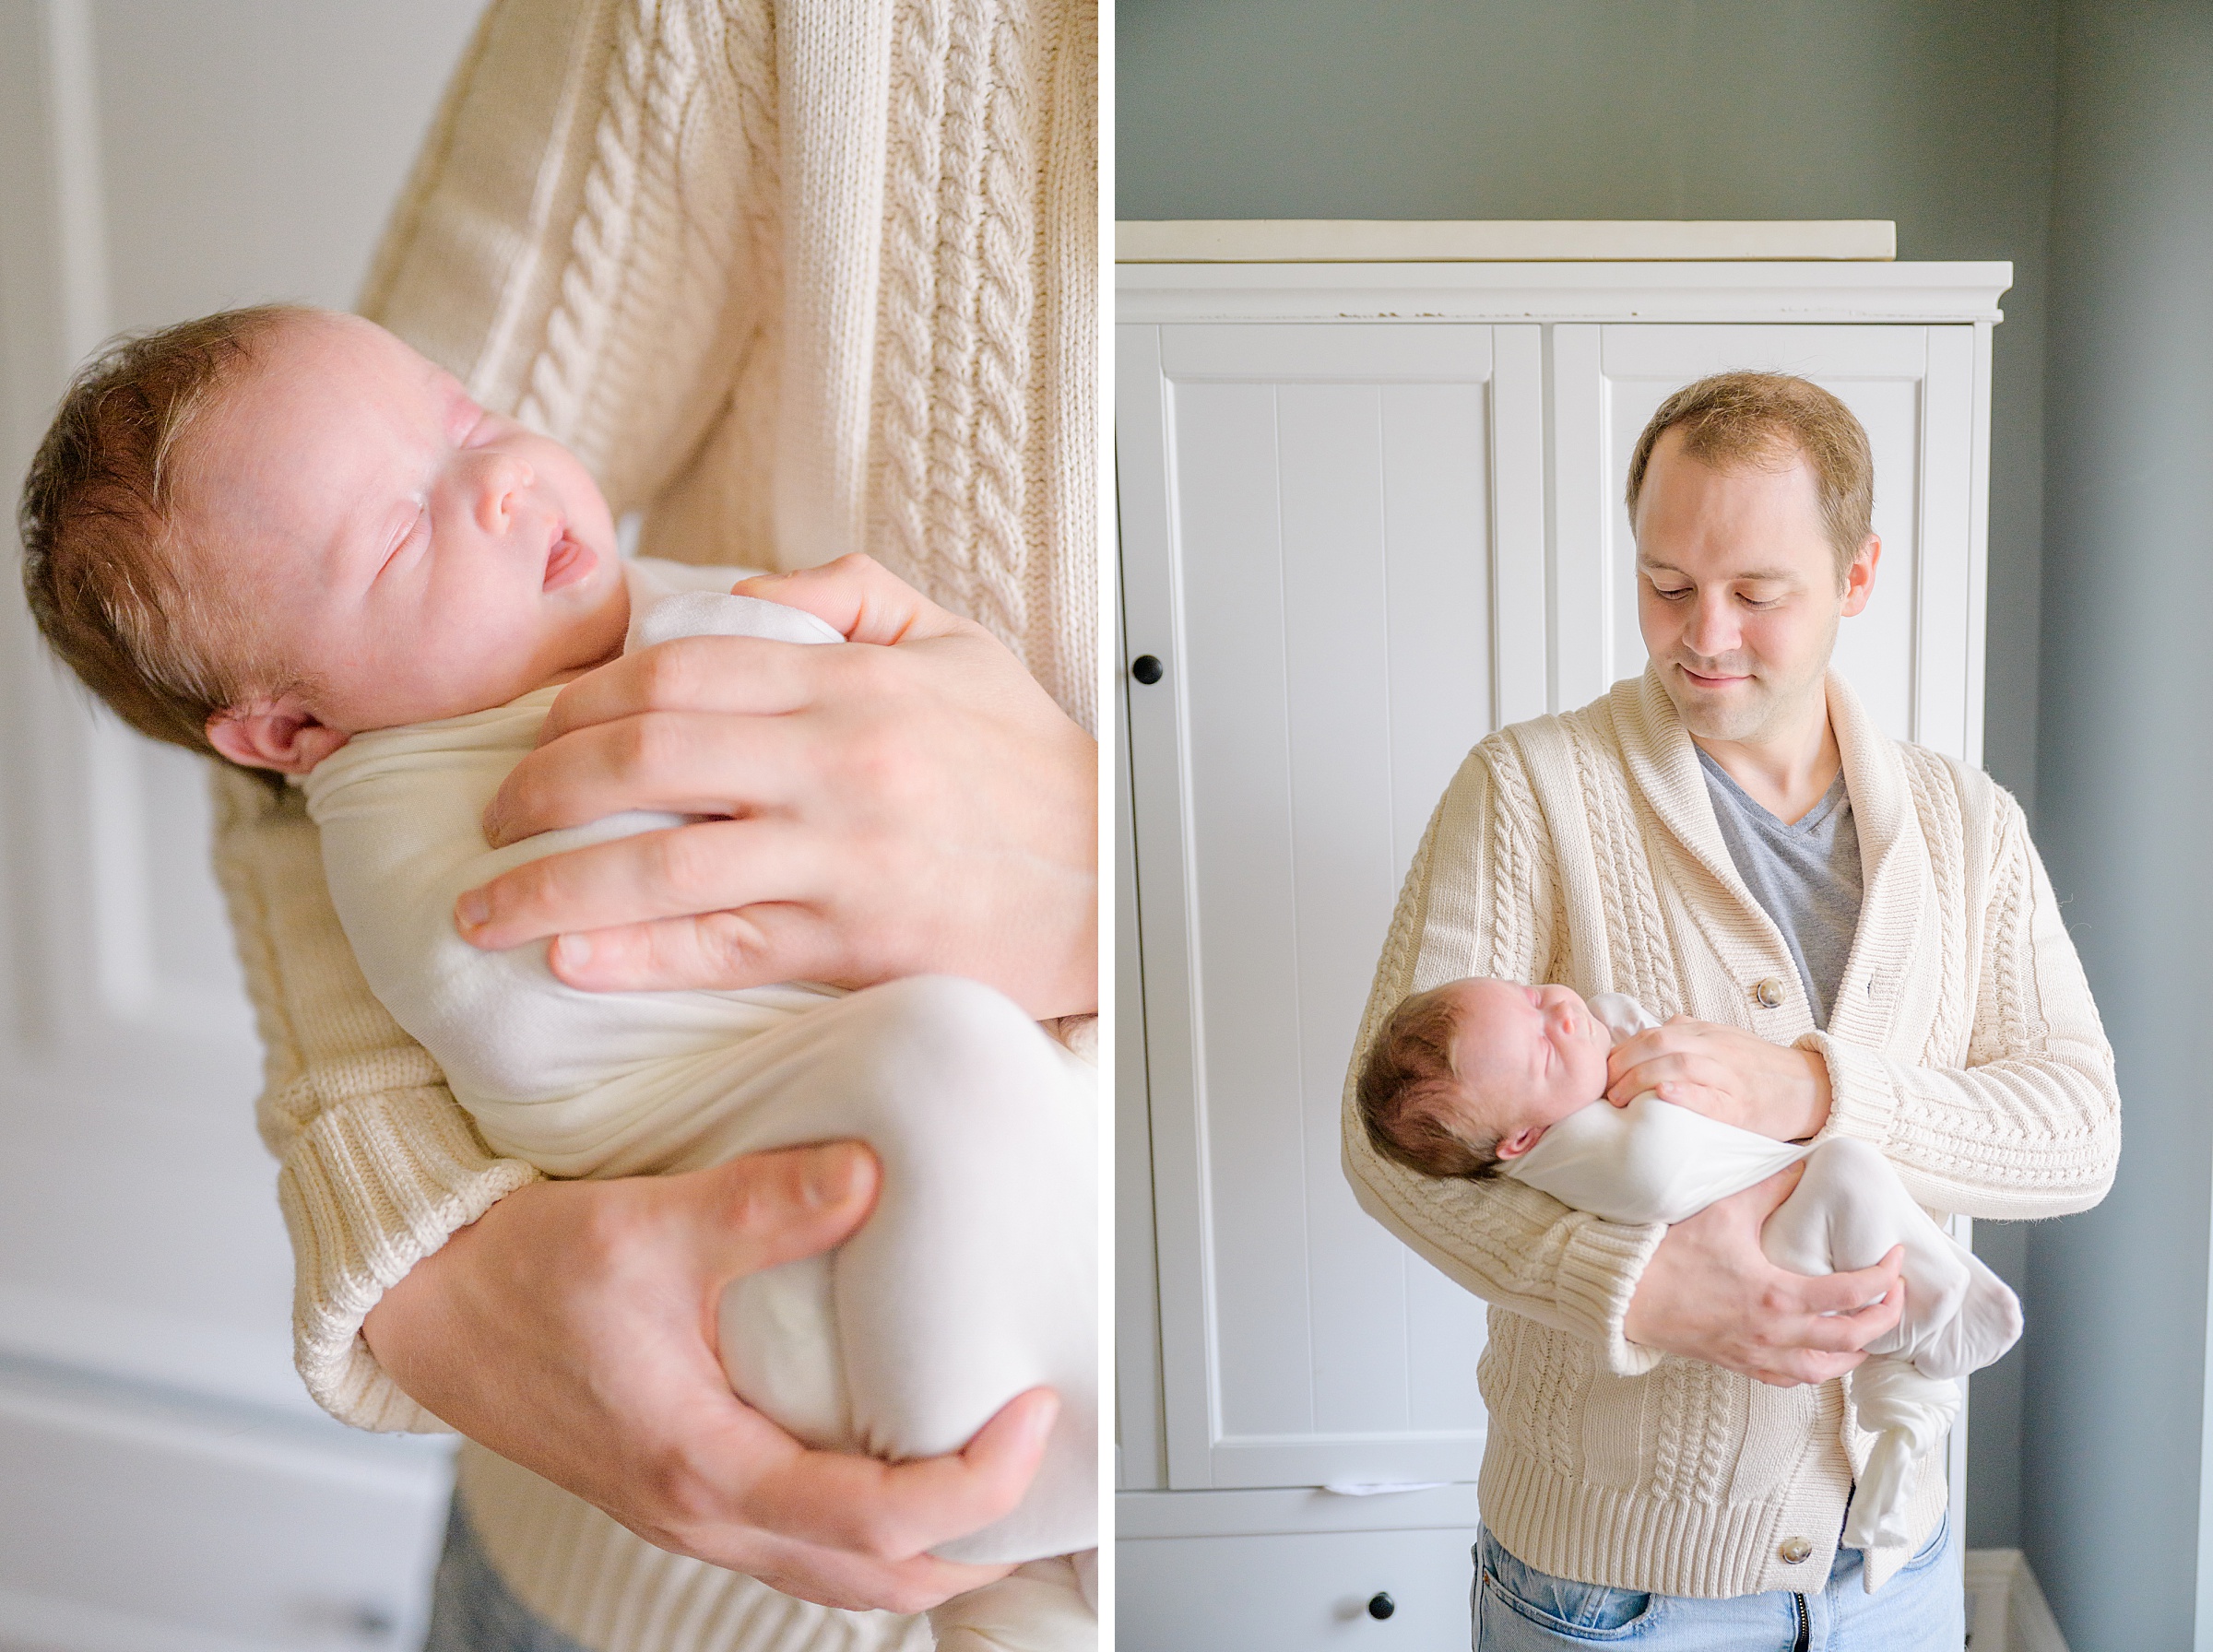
{"x":1333,"y":542}
{"x":1915,"y":655}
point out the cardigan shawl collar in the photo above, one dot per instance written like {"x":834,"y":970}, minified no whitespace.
{"x":1662,"y":770}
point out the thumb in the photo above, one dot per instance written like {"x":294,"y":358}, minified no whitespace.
{"x":857,"y":596}
{"x":767,"y":1209}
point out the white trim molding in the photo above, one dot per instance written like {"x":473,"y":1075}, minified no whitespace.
{"x":1378,"y":241}
{"x":2007,"y":1611}
{"x":1798,"y":291}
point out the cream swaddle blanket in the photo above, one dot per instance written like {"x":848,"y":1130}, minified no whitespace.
{"x":1655,"y":1161}
{"x":975,"y":1277}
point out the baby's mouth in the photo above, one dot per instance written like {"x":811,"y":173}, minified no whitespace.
{"x":569,"y":563}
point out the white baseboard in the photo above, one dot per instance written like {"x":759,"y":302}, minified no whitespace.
{"x":2006,"y":1610}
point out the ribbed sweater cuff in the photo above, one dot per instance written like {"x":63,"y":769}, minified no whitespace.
{"x":1862,"y":1099}
{"x":368,"y":1190}
{"x":1598,"y":1274}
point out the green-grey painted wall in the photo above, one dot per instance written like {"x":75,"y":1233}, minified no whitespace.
{"x":2116,"y":1378}
{"x":1938,"y":117}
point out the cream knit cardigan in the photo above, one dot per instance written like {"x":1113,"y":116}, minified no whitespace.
{"x":793,"y":283}
{"x":1582,"y":849}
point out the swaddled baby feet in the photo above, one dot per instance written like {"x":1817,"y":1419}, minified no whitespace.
{"x":1986,"y":1323}
{"x":1848,"y":1210}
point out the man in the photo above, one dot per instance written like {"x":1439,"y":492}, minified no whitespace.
{"x":1870,"y":947}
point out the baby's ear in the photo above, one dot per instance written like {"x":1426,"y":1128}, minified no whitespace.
{"x":273,"y":734}
{"x":1520,"y":1142}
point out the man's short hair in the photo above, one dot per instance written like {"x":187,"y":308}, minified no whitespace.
{"x":97,"y":522}
{"x":1735,"y":420}
{"x":1405,"y":1088}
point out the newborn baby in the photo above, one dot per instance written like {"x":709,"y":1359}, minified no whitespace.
{"x":1481,"y":1077}
{"x":330,"y":563}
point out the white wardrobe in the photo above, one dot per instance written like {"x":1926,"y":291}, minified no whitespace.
{"x":1370,"y":513}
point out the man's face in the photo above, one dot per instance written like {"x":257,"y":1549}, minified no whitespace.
{"x":1737,"y":594}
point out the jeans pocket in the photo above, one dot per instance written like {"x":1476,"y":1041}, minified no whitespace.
{"x":1927,"y":1553}
{"x":1580,"y":1611}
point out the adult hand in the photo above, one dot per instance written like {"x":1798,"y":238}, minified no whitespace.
{"x":1725,"y":1073}
{"x":572,"y":1330}
{"x":1711,"y":1294}
{"x":913,"y":805}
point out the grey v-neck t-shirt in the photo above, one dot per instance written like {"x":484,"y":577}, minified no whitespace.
{"x":1805,"y":876}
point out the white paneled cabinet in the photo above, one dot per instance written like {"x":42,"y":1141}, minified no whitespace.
{"x":1368,"y":515}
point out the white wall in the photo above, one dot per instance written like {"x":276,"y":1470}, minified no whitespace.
{"x":2119,"y":1517}
{"x":164,"y":1482}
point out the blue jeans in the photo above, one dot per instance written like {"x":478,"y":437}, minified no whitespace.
{"x":471,"y":1609}
{"x":1921,"y":1608}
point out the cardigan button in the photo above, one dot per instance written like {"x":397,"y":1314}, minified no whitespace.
{"x":1796,"y":1551}
{"x":1768,"y":993}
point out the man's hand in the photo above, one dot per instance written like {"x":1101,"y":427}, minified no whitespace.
{"x":572,"y":1330}
{"x":1711,"y":1294}
{"x":910,"y":804}
{"x":1725,"y":1073}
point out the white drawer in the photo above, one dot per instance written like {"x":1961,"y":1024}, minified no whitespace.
{"x":131,"y":1524}
{"x":1290,"y":1594}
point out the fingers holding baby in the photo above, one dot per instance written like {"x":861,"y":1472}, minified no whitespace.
{"x":1725,"y":1073}
{"x":917,"y":804}
{"x":1710,"y":1292}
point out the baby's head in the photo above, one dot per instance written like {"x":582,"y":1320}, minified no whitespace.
{"x":259,"y":533}
{"x":1470,"y":1075}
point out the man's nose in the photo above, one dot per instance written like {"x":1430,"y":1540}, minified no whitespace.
{"x":505,"y":478}
{"x":1712,"y":630}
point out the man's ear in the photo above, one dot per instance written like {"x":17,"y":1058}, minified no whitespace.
{"x":1859,"y":579}
{"x":273,"y":734}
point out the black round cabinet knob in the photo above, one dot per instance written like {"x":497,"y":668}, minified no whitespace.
{"x":1381,"y":1606}
{"x":1145,"y":668}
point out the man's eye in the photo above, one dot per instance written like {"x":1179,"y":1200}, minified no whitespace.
{"x":1671,"y":594}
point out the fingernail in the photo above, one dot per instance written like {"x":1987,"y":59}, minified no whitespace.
{"x":472,"y":909}
{"x":1040,"y":1422}
{"x":829,"y":1177}
{"x":572,"y":951}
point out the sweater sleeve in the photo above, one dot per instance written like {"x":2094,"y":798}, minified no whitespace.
{"x":2029,"y":1126}
{"x":379,"y":1165}
{"x":1479,"y":901}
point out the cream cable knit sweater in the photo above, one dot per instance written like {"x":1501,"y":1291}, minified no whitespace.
{"x":793,"y":282}
{"x":1582,"y":849}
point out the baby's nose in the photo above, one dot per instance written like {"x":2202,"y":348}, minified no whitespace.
{"x":504,"y":478}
